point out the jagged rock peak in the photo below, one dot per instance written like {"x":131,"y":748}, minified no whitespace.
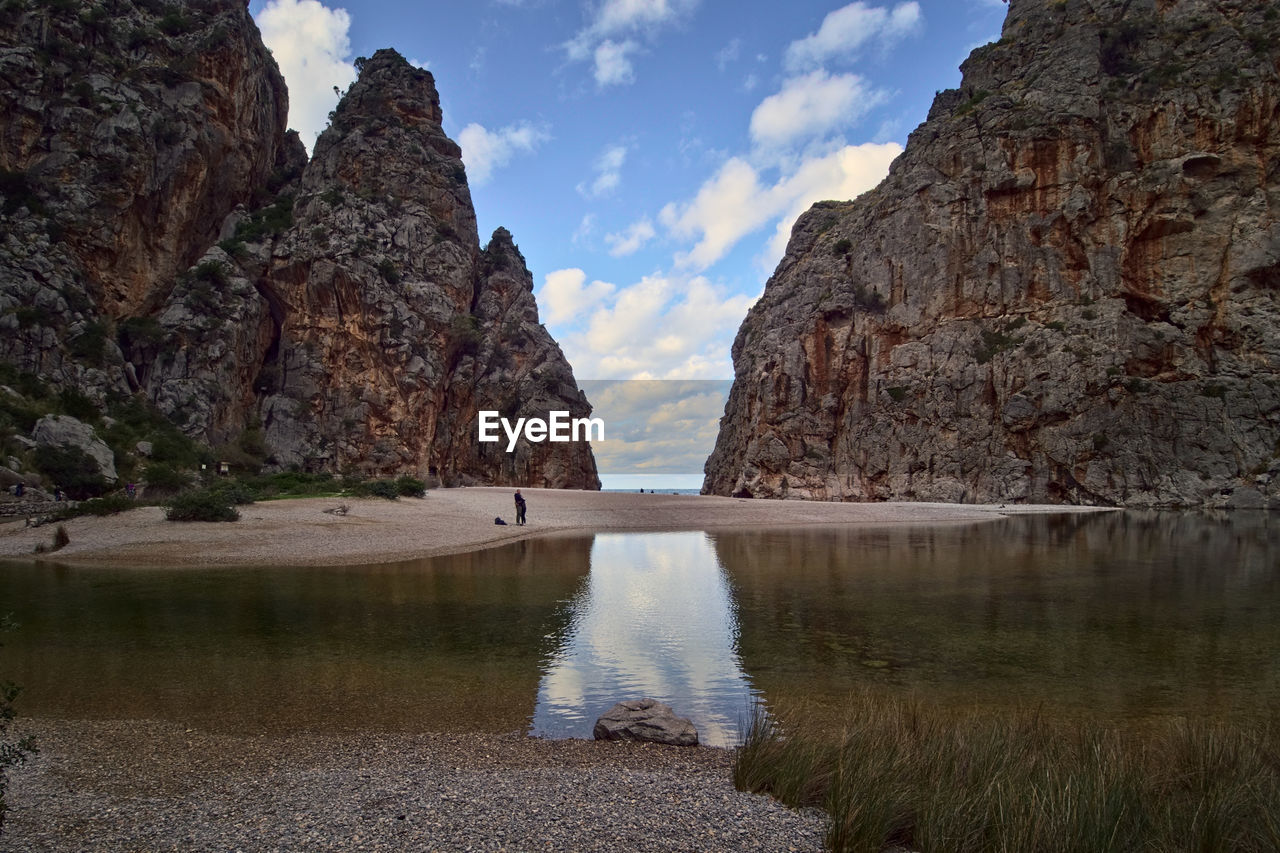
{"x":1063,"y":291}
{"x":502,"y":252}
{"x":389,"y":87}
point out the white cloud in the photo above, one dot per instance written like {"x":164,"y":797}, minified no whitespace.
{"x":586,"y":228}
{"x":627,"y":17}
{"x":565,"y":294}
{"x":728,"y":53}
{"x":656,"y":425}
{"x":608,"y":168}
{"x":810,"y":105}
{"x":484,"y":151}
{"x":611,"y":35}
{"x":631,"y":240}
{"x":612,"y":67}
{"x":735,"y":202}
{"x":662,"y":327}
{"x":309,"y":42}
{"x":846,"y":30}
{"x":841,"y":175}
{"x":726,"y":208}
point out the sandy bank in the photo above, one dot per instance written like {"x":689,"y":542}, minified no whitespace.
{"x":375,"y":530}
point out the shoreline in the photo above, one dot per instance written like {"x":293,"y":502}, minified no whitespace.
{"x":144,"y":784}
{"x":300,"y":532}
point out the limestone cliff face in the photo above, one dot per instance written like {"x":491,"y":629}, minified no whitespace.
{"x":163,"y":234}
{"x":129,"y":131}
{"x":1067,"y":289}
{"x":358,"y":319}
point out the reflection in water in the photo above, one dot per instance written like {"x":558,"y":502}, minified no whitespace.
{"x":447,"y":643}
{"x":655,"y":618}
{"x":1127,"y":615}
{"x":1122,"y":614}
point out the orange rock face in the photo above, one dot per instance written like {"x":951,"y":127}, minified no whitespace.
{"x":1065,"y":290}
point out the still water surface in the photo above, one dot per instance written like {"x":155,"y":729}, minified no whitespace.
{"x":1121,"y":615}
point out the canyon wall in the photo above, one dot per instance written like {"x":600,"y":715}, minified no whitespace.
{"x":1066,"y":290}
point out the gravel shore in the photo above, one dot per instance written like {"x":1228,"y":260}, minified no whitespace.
{"x":139,"y":785}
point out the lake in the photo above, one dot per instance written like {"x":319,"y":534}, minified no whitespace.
{"x":1127,"y":615}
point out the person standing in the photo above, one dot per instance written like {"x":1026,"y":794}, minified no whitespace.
{"x":520,"y":507}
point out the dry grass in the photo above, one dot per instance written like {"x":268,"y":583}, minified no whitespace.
{"x":902,"y":773}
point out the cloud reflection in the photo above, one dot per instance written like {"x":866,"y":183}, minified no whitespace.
{"x":655,"y":618}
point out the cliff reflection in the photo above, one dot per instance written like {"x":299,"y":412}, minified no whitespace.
{"x":1129,"y":614}
{"x":447,"y":643}
{"x":654,"y":618}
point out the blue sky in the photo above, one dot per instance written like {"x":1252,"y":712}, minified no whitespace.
{"x":648,"y":156}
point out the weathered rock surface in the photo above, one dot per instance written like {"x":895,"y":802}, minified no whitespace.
{"x":164,"y":234}
{"x":130,"y":130}
{"x":645,"y":720}
{"x":1066,"y":290}
{"x":66,"y":431}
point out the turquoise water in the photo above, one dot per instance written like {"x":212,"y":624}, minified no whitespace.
{"x":1119,"y":615}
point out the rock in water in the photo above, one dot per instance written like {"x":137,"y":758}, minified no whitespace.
{"x":645,"y":720}
{"x":1064,"y":291}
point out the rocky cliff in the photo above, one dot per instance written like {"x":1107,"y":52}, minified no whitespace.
{"x":166,"y":236}
{"x":1066,"y":290}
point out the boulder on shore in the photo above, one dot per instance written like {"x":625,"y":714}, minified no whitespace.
{"x":66,"y":431}
{"x":645,"y":720}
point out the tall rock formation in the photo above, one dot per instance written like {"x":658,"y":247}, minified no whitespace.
{"x":129,"y":131}
{"x":1066,"y":290}
{"x":341,"y":307}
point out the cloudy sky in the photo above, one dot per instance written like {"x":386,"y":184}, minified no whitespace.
{"x":648,"y":156}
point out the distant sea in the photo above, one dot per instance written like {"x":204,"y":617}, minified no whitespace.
{"x":659,"y":490}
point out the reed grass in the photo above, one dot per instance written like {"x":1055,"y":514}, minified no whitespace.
{"x":897,"y":773}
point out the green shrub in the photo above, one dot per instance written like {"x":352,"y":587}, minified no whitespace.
{"x":140,"y":331}
{"x":77,"y":405}
{"x":168,"y":444}
{"x":212,"y":271}
{"x":201,"y":505}
{"x":374,"y":488}
{"x":235,"y":492}
{"x":72,"y":469}
{"x":91,"y":344}
{"x":105,"y":505}
{"x":464,"y":331}
{"x":174,"y":23}
{"x":291,"y":484}
{"x":842,"y":247}
{"x":268,"y":221}
{"x":162,"y":477}
{"x":410,"y":487}
{"x":388,"y":271}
